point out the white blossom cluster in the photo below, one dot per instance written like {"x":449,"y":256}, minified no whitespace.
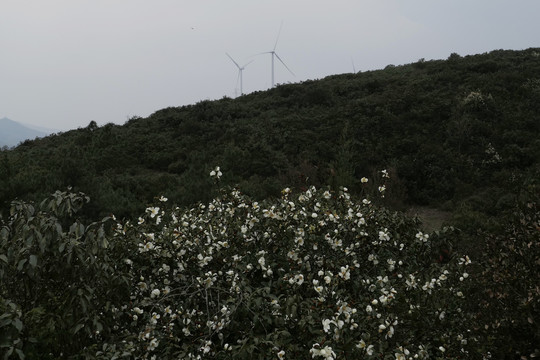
{"x":234,"y":274}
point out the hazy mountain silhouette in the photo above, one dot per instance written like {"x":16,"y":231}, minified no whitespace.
{"x":12,"y":133}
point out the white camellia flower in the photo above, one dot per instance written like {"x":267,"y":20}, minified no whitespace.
{"x":155,"y":317}
{"x":383,"y":235}
{"x":153,"y":344}
{"x":362,"y":344}
{"x":206,"y":348}
{"x":345,"y":274}
{"x":327,"y":352}
{"x":326,"y":324}
{"x":153,"y":211}
{"x":422,"y":237}
{"x":216,"y":172}
{"x":369,"y":349}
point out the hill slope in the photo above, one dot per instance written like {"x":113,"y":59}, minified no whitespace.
{"x":463,"y":128}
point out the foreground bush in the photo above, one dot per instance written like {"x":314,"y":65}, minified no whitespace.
{"x":506,"y":292}
{"x":57,"y":277}
{"x":310,"y":275}
{"x":314,"y":275}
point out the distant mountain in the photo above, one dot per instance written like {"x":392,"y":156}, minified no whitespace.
{"x":12,"y":133}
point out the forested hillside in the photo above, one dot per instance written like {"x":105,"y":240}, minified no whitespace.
{"x":465,"y":128}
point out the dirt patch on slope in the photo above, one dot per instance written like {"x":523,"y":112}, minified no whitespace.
{"x":432,"y":219}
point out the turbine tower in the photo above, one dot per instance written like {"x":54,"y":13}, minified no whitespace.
{"x":240,"y":70}
{"x":274,"y":54}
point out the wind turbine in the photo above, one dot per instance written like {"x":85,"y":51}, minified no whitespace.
{"x":240,"y":70}
{"x":275,"y":55}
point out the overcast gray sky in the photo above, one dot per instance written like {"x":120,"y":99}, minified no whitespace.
{"x":64,"y":63}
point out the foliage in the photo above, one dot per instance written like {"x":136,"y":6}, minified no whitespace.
{"x":449,"y":128}
{"x":57,"y":278}
{"x":507,"y":292}
{"x":314,"y":274}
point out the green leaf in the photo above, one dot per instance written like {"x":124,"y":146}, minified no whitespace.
{"x":21,"y":264}
{"x":18,"y":324}
{"x":33,"y":260}
{"x":84,"y":303}
{"x":99,"y":326}
{"x":77,"y":328}
{"x":20,"y":353}
{"x":5,"y":322}
{"x":42,"y":243}
{"x":4,"y":258}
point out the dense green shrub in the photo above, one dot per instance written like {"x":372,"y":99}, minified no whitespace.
{"x":506,"y":293}
{"x":58,"y":276}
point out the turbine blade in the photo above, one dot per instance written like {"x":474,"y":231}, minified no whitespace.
{"x":243,"y":67}
{"x":279,"y":33}
{"x":284,"y":64}
{"x":235,"y":63}
{"x":266,"y":52}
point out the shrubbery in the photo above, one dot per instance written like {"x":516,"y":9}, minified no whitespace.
{"x":317,"y":274}
{"x":57,"y":277}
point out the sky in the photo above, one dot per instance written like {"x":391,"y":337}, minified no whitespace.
{"x":64,"y":63}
